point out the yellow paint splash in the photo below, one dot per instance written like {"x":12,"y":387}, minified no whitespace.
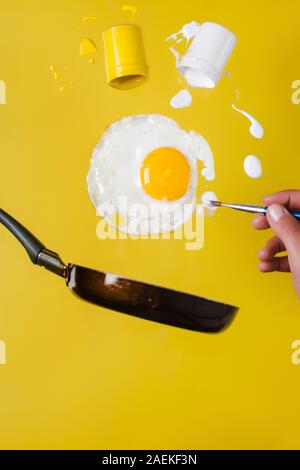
{"x":131,"y":9}
{"x":56,"y":74}
{"x":64,"y":87}
{"x":88,"y":18}
{"x":87,"y":47}
{"x":2,"y":92}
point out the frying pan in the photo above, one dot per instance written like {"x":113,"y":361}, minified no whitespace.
{"x":135,"y":298}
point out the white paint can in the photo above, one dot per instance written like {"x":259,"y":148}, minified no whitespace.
{"x":204,"y":62}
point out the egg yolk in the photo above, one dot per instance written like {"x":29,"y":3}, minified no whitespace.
{"x":165,"y":174}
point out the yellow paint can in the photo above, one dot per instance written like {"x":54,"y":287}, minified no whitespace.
{"x":125,"y":56}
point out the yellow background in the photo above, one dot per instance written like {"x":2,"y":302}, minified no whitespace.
{"x":78,"y":376}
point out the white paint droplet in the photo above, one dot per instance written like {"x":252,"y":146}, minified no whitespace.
{"x":252,"y":166}
{"x":256,"y":128}
{"x":182,"y":99}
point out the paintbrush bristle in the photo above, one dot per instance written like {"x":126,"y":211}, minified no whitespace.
{"x":215,"y":203}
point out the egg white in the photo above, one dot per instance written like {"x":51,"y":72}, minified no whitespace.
{"x":114,"y":175}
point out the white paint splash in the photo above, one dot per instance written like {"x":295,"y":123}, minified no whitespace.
{"x":188,"y":32}
{"x":206,"y":198}
{"x":252,"y":166}
{"x":182,"y":99}
{"x":256,"y":129}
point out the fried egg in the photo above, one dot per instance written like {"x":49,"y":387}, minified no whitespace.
{"x":143,"y":174}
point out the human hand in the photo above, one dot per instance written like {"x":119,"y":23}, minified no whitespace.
{"x":287,"y":238}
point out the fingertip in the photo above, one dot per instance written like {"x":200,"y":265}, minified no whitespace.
{"x":260,"y":222}
{"x":267,"y":199}
{"x":255,"y":222}
{"x":261,"y":267}
{"x":262,"y":254}
{"x":265,"y":267}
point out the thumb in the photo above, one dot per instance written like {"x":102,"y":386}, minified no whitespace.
{"x":285,"y":225}
{"x":288,"y":230}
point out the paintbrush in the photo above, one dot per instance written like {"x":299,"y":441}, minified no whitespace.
{"x":248,"y":208}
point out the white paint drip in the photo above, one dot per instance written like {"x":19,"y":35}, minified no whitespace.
{"x":205,"y":198}
{"x":252,"y":166}
{"x":256,"y":129}
{"x":176,"y":54}
{"x":182,"y":99}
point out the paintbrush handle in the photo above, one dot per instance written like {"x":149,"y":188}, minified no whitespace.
{"x":251,"y":208}
{"x":295,"y":214}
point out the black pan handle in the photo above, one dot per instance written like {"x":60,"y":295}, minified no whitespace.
{"x":31,"y":244}
{"x":36,"y":250}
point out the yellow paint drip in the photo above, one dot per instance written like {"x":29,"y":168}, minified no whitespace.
{"x":89,"y":18}
{"x":56,"y":74}
{"x":91,"y":61}
{"x":2,"y":92}
{"x":87,"y":47}
{"x":131,"y":9}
